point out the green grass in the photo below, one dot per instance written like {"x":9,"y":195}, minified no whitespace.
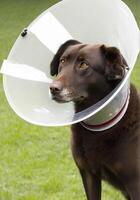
{"x":36,"y":162}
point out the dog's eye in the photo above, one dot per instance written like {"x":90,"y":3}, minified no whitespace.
{"x":62,"y":60}
{"x":84,"y":65}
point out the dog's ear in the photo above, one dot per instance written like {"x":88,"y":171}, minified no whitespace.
{"x":115,"y":64}
{"x":55,"y":62}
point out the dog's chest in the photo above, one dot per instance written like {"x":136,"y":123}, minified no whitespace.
{"x":93,"y":152}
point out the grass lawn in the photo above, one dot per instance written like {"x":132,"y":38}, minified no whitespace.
{"x":36,"y":162}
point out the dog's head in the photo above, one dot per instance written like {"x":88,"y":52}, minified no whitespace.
{"x":85,"y":71}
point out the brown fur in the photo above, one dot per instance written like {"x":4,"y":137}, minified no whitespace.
{"x":114,"y":154}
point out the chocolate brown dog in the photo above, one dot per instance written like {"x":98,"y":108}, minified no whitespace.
{"x":85,"y":74}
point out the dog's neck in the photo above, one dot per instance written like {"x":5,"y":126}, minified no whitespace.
{"x":95,"y":95}
{"x":112,"y":117}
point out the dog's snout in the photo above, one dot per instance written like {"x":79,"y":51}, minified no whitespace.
{"x":56,"y":87}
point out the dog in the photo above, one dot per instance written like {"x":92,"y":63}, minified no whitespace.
{"x":85,"y":74}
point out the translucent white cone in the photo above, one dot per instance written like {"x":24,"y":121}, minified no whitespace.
{"x":26,"y":72}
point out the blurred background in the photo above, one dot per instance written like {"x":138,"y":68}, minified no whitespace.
{"x":36,"y":162}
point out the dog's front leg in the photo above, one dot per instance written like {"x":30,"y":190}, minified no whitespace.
{"x":92,"y":185}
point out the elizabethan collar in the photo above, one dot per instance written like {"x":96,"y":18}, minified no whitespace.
{"x":26,"y":72}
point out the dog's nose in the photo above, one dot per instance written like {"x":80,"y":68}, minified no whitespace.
{"x":56,"y":87}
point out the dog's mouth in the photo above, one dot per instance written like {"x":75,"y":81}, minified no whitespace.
{"x":68,"y":98}
{"x":59,"y":99}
